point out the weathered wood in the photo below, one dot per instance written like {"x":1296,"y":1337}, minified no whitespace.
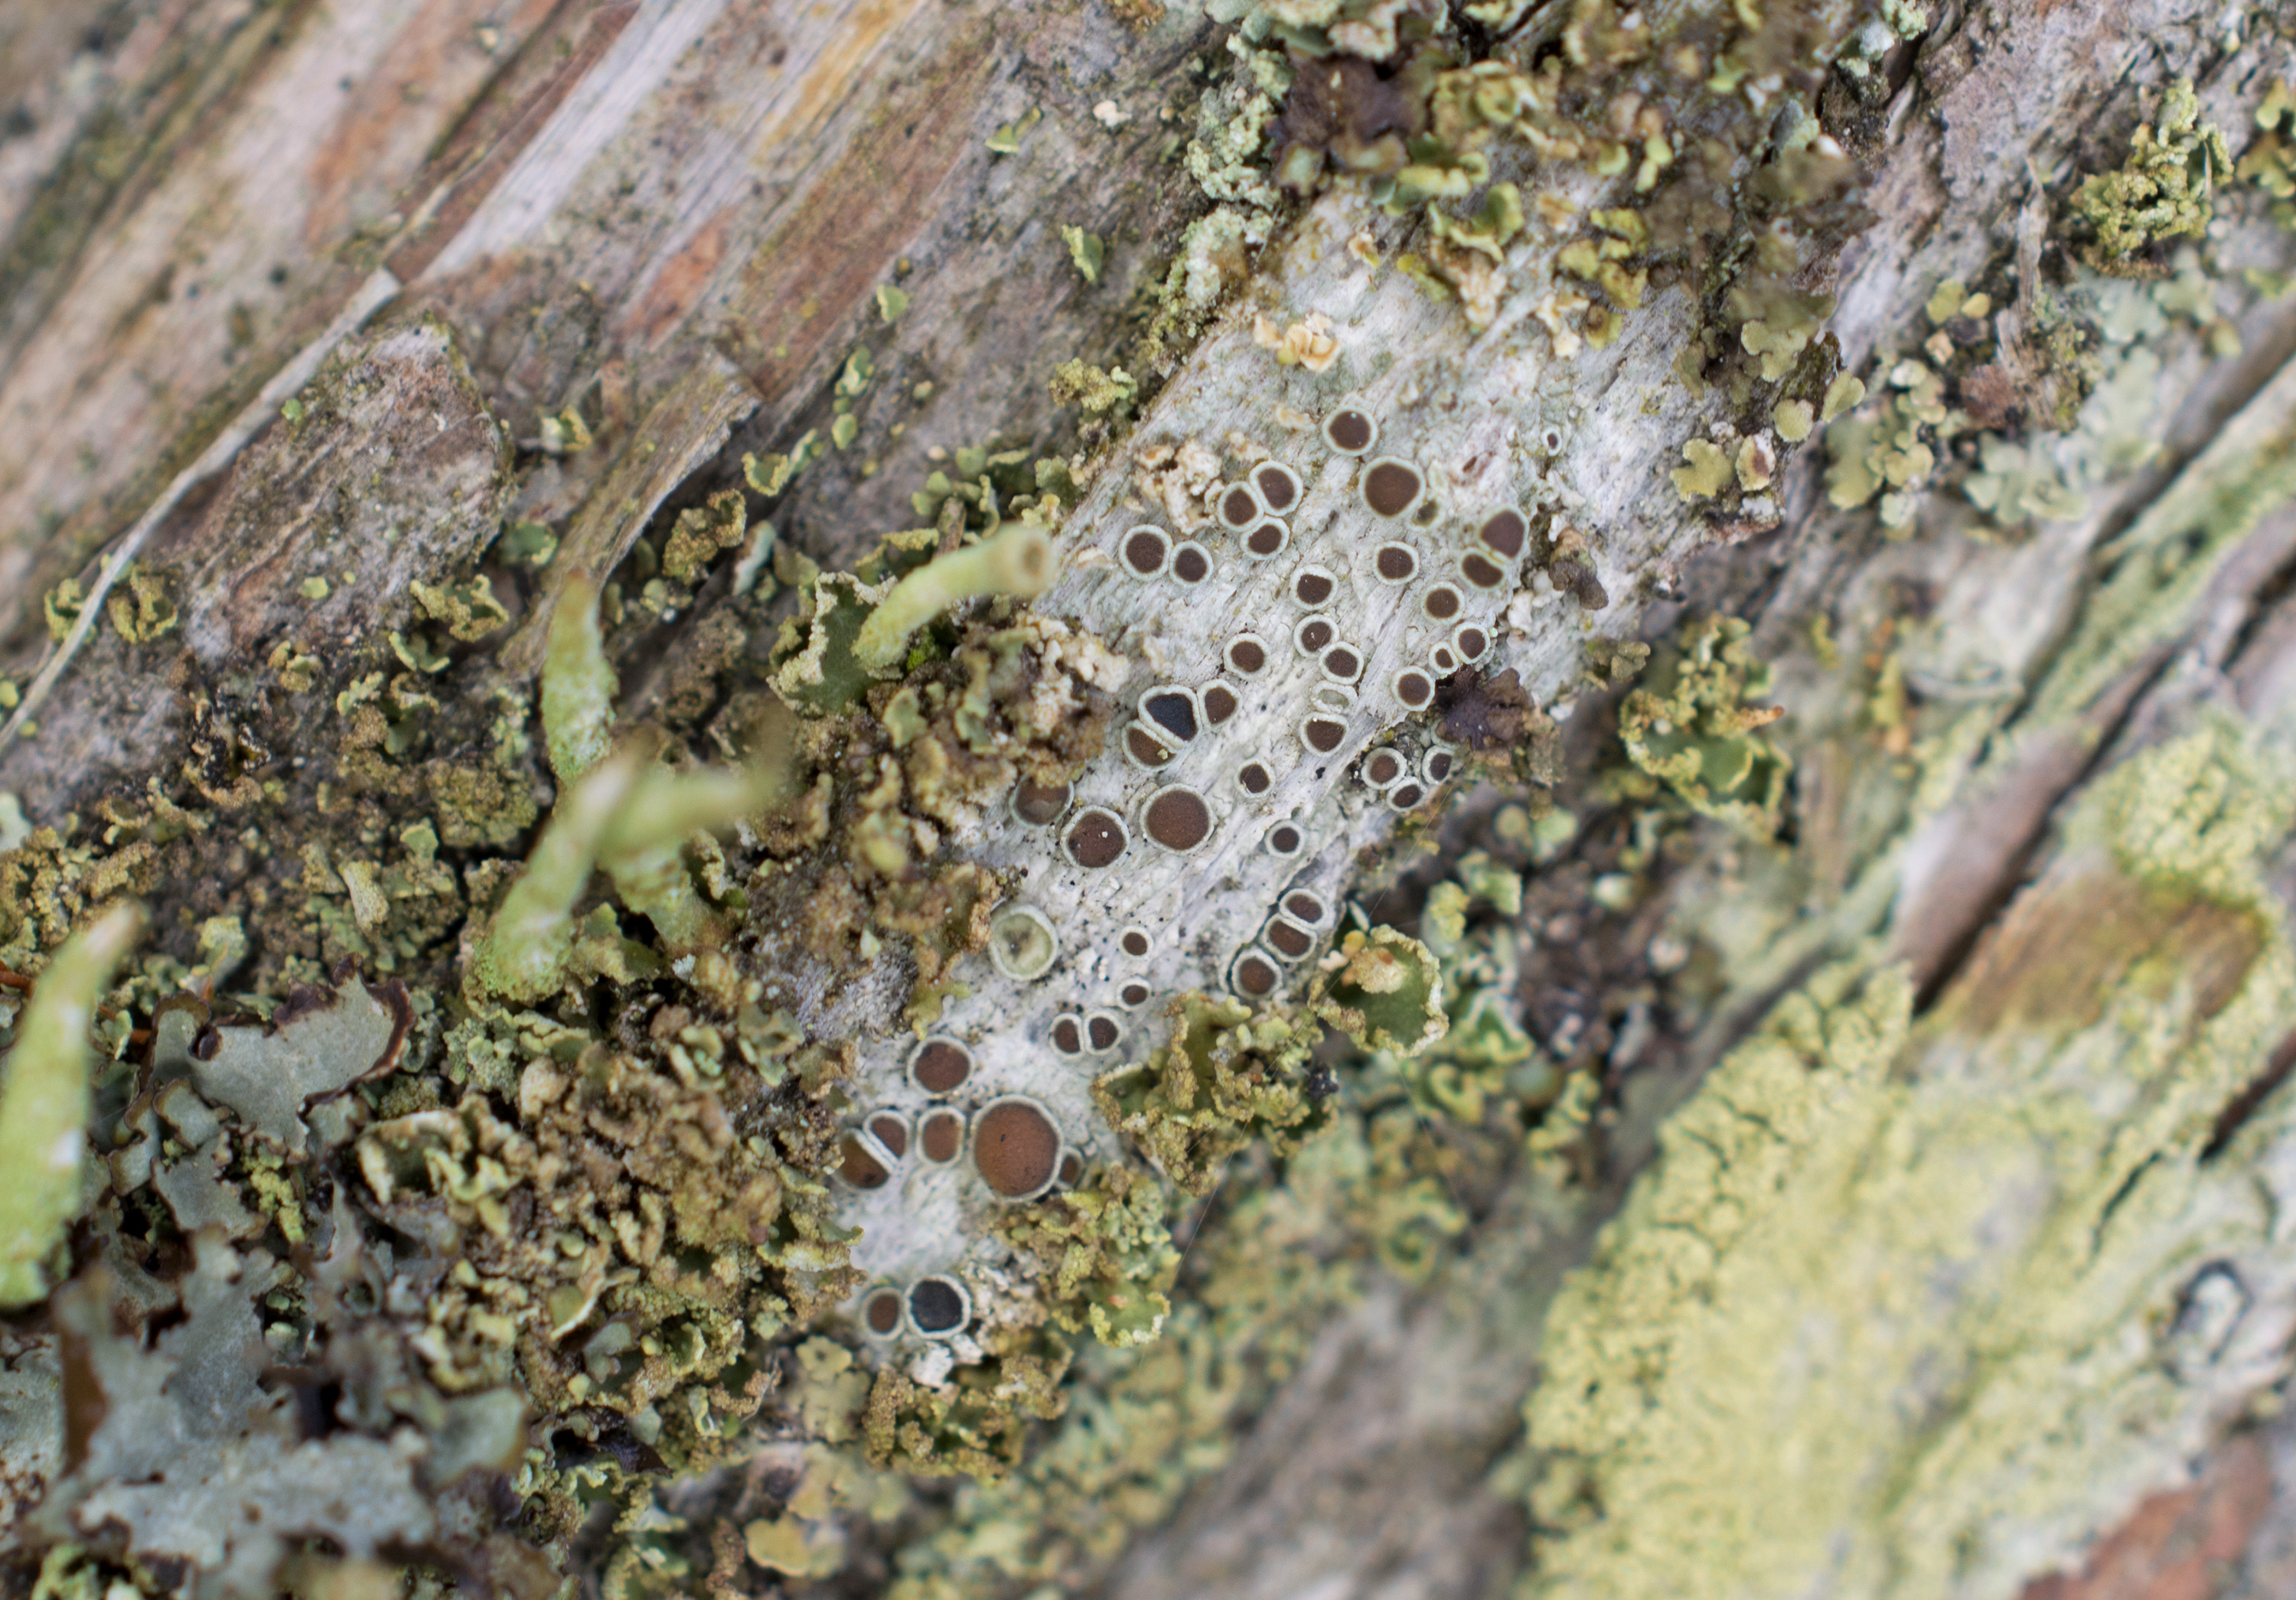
{"x":759,"y":142}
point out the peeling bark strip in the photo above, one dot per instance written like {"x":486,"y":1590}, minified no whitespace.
{"x":1827,"y":1081}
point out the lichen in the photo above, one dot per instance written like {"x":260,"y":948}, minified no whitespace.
{"x":1689,"y":727}
{"x":1225,"y":1077}
{"x":2165,"y":187}
{"x":1384,"y":990}
{"x":1106,"y":1255}
{"x":1891,"y":446}
{"x":1484,"y":1059}
{"x":2269,"y":162}
{"x":598,"y":1185}
{"x":44,"y":1104}
{"x":1017,"y":560}
{"x":2004,"y":1235}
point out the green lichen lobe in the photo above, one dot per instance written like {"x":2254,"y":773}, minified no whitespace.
{"x":2164,"y":189}
{"x":1690,"y":728}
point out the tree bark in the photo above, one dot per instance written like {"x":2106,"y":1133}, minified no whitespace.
{"x":678,"y":220}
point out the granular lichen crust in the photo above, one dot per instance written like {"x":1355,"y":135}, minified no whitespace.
{"x":1832,"y":1337}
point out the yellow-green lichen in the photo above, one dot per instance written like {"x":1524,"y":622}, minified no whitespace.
{"x":146,"y":611}
{"x":2269,"y":162}
{"x":43,"y":1103}
{"x":1087,"y":253}
{"x":1105,"y":1253}
{"x":1891,"y":448}
{"x":701,"y":532}
{"x":1484,"y":1057}
{"x":1898,"y":1301}
{"x":1689,"y":726}
{"x":2165,"y":186}
{"x":1705,"y":473}
{"x":1225,"y":1076}
{"x":1077,"y":383}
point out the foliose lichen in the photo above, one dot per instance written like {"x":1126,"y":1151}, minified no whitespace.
{"x":1688,"y":727}
{"x":2164,"y":188}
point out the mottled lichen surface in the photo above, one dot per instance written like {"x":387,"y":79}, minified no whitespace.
{"x":970,"y":1018}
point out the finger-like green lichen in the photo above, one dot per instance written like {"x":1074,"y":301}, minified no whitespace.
{"x":1017,"y":560}
{"x":579,"y":685}
{"x":643,"y":853}
{"x":44,"y":1103}
{"x":525,"y":952}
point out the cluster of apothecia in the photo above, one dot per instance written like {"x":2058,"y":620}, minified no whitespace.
{"x":1346,"y":592}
